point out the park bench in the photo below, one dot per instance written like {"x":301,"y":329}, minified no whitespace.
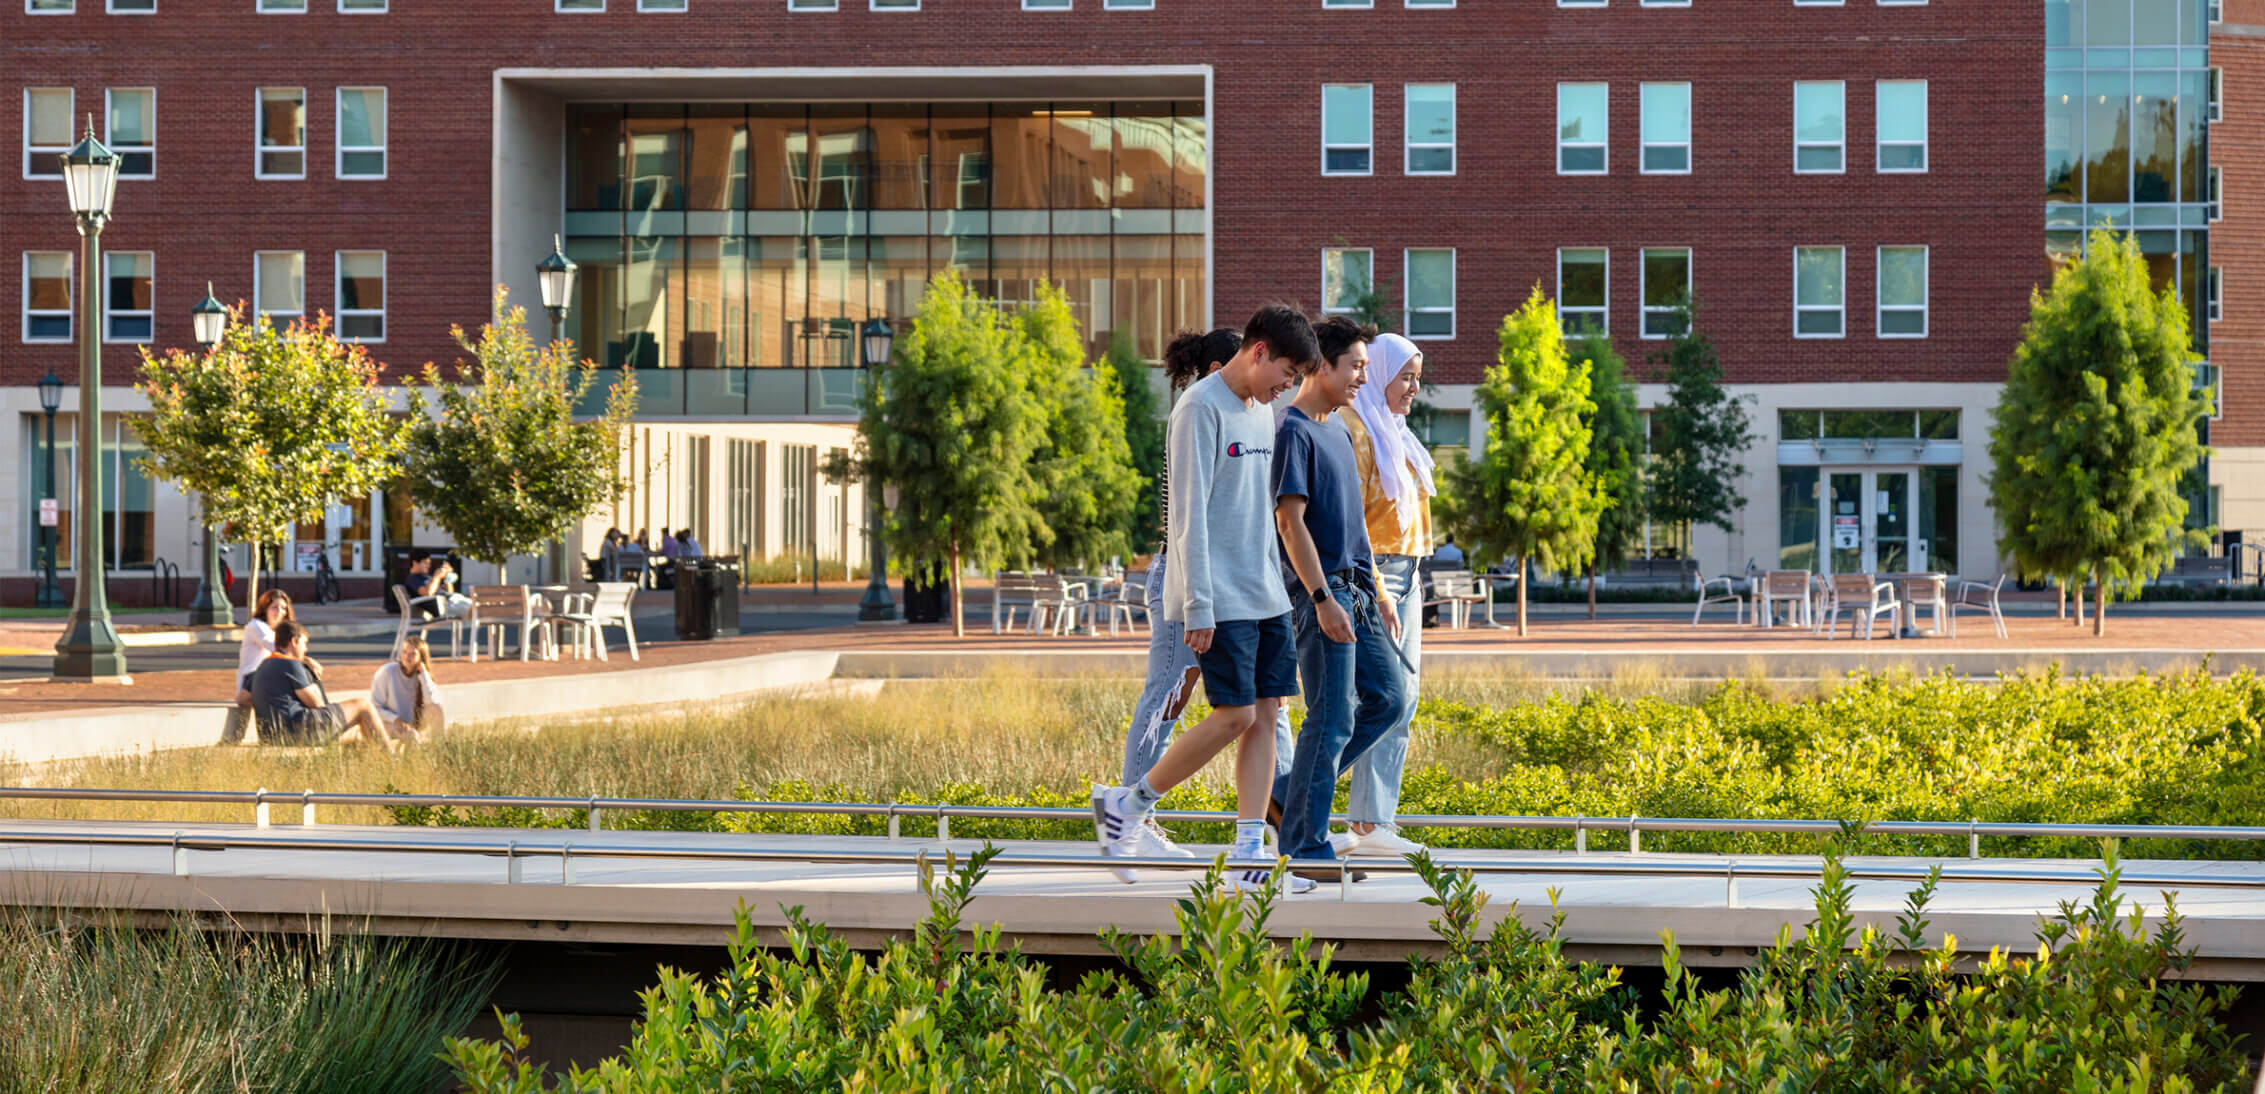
{"x":1674,"y":573}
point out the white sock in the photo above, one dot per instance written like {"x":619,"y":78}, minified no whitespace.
{"x":1250,"y":833}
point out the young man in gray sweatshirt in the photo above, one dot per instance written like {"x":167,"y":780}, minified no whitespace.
{"x":1225,"y":587}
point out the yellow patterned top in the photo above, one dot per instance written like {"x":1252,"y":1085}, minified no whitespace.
{"x":1384,"y":534}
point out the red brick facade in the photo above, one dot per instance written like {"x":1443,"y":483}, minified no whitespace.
{"x":2237,"y":241}
{"x":1742,"y":209}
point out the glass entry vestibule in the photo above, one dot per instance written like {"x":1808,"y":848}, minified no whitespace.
{"x":1844,"y":508}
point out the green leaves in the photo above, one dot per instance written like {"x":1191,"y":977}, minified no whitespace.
{"x":1702,"y":433}
{"x":503,"y":466}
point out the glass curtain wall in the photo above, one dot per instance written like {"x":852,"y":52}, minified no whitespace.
{"x":715,"y":239}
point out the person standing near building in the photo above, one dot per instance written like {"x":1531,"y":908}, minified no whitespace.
{"x":1224,"y":587}
{"x":1396,"y":492}
{"x":1355,"y":688}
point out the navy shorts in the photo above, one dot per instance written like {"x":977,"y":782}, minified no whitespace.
{"x":1249,"y":660}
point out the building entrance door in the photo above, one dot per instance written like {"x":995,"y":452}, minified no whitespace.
{"x":1867,"y":527}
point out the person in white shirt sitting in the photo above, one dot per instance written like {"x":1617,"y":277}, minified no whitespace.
{"x":403,"y":691}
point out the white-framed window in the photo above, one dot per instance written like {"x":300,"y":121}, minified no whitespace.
{"x":2217,"y":290}
{"x":813,"y":5}
{"x":279,"y":285}
{"x":1902,"y":3}
{"x":1820,"y":127}
{"x":47,"y":131}
{"x":1820,"y":292}
{"x":282,"y":134}
{"x":1818,"y":3}
{"x":1430,"y":113}
{"x":1581,"y":129}
{"x":128,"y":279}
{"x":661,"y":5}
{"x":1427,"y":3}
{"x":1667,"y":287}
{"x":1348,"y":3}
{"x":361,"y":132}
{"x":1430,"y":292}
{"x":131,"y":7}
{"x":2217,"y":193}
{"x":361,"y":296}
{"x":1046,"y":5}
{"x":1347,"y":273}
{"x":1584,"y":290}
{"x":1903,"y":292}
{"x":578,"y":5}
{"x":1900,"y":111}
{"x":1128,"y":5}
{"x":2217,"y":93}
{"x":362,"y":7}
{"x":282,"y":7}
{"x":1666,"y":129}
{"x":47,"y":296}
{"x":1665,"y":3}
{"x":1348,"y":129}
{"x":130,"y":129}
{"x":894,"y":5}
{"x":2217,"y":10}
{"x":1580,"y":3}
{"x":49,"y":7}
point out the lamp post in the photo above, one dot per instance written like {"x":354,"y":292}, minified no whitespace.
{"x":873,"y":344}
{"x":209,"y":320}
{"x":50,"y":400}
{"x":89,"y":649}
{"x":556,"y":277}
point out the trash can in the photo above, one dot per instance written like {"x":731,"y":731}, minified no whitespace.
{"x":927,"y":595}
{"x":707,"y":598}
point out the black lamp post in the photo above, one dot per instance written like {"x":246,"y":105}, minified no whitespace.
{"x":556,"y":277}
{"x":89,"y":649}
{"x":874,"y":344}
{"x":209,"y":319}
{"x":50,"y":400}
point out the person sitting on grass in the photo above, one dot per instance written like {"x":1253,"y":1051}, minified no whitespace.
{"x":273,"y":610}
{"x":289,"y":702}
{"x":431,"y":575}
{"x":405,"y":695}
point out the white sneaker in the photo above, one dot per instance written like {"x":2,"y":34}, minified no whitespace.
{"x":1379,"y":842}
{"x":1262,"y":880}
{"x":1117,"y":827}
{"x":1344,"y":842}
{"x":1156,"y":843}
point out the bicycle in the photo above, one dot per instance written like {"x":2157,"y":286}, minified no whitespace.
{"x":326,"y":580}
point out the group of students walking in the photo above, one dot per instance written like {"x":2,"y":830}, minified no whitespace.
{"x":1290,"y":556}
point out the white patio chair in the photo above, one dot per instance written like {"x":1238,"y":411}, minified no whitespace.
{"x":495,"y":607}
{"x":608,"y":607}
{"x":1455,"y":591}
{"x":1976,"y":596}
{"x":1792,"y":588}
{"x":1730,"y":594}
{"x":410,"y":622}
{"x":1863,"y":598}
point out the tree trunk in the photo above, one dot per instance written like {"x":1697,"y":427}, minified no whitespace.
{"x":959,"y":623}
{"x":2060,"y":597}
{"x":2079,"y":598}
{"x":252,"y":580}
{"x":1592,"y":590}
{"x":1523,"y":571}
{"x":2100,"y":605}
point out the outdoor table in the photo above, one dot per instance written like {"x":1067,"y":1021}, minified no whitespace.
{"x":1908,"y":607}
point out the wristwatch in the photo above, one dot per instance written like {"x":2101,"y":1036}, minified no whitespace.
{"x":1320,"y":595}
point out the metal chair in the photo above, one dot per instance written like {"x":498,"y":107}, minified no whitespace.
{"x":441,"y":618}
{"x":1862,"y":597}
{"x":1976,"y":596}
{"x":495,"y":607}
{"x":1456,"y":591}
{"x":608,"y":607}
{"x":1792,"y":587}
{"x":1730,"y":595}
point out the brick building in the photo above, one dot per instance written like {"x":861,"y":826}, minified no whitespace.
{"x":1849,"y":189}
{"x":2237,"y":255}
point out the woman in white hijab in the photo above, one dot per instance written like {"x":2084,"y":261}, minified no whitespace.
{"x":1396,"y":493}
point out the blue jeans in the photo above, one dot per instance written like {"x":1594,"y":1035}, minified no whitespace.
{"x":1376,"y":774}
{"x":1158,"y":714}
{"x":1355,"y":693}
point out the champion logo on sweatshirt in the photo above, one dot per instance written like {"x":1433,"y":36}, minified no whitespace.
{"x":1238,"y":448}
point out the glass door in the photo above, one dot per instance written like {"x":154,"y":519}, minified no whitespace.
{"x":1891,"y":522}
{"x":1868,"y":530}
{"x":1844,"y":528}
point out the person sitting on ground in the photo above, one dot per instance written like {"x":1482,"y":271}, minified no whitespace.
{"x":274,"y":609}
{"x":287,"y":697}
{"x":686,"y":546}
{"x":405,"y":695}
{"x":431,"y":575}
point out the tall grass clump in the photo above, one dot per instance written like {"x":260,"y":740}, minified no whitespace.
{"x":103,"y":1008}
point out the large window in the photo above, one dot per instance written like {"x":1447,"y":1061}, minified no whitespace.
{"x":1820,"y":127}
{"x":1819,"y":292}
{"x":1667,"y":129}
{"x":282,"y":133}
{"x":1584,"y":289}
{"x":1903,"y":292}
{"x":47,"y":131}
{"x":1348,"y":275}
{"x":361,"y":132}
{"x":47,"y":296}
{"x":1347,"y":128}
{"x":279,"y":285}
{"x":48,"y":7}
{"x":1901,"y":111}
{"x":1667,"y":288}
{"x":1581,"y":129}
{"x":131,"y":130}
{"x":1431,"y":129}
{"x":361,"y":296}
{"x":1431,"y":293}
{"x":127,"y":313}
{"x":2216,"y":309}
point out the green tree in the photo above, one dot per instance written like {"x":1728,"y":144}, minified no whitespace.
{"x":951,"y":423}
{"x":504,"y":467}
{"x":1087,"y":488}
{"x":270,"y":427}
{"x":1129,"y":374}
{"x":1702,"y":431}
{"x":1529,"y":495}
{"x":1616,"y":449}
{"x":2096,"y":426}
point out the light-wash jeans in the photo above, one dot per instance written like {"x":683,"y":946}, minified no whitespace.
{"x":1169,"y":660}
{"x":1376,"y":774}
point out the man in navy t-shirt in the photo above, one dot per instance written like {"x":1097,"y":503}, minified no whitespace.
{"x":1355,"y":686}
